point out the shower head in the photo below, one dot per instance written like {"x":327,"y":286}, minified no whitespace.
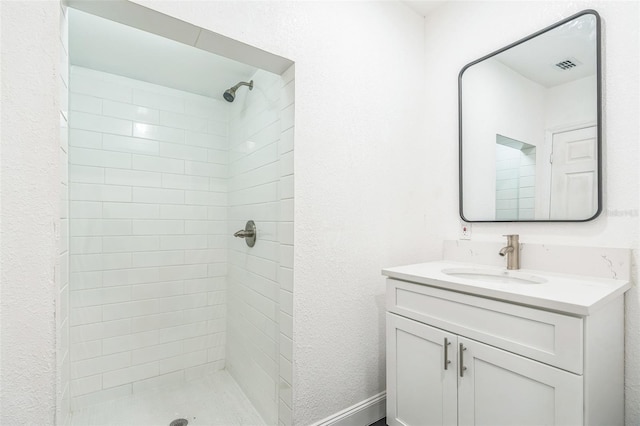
{"x":230,"y":94}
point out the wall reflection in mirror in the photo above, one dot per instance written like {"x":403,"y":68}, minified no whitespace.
{"x":529,"y":127}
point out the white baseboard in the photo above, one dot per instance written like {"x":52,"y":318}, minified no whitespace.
{"x":363,"y":413}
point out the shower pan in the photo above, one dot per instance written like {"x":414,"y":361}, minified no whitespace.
{"x":171,"y":317}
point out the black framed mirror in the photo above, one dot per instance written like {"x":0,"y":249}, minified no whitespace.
{"x":530,"y":122}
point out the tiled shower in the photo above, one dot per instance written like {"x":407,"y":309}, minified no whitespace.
{"x":161,"y":294}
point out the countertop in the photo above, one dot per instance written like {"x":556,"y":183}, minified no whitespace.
{"x":571,"y":294}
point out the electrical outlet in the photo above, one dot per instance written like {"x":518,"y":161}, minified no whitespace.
{"x":465,"y":231}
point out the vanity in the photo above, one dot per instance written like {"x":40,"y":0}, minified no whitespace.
{"x":474,"y":344}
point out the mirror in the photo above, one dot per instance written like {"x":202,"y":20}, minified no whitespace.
{"x":530,"y":127}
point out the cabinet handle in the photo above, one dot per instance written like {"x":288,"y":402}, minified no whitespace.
{"x":462,"y":367}
{"x":446,"y":353}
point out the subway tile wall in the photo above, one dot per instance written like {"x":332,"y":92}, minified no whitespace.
{"x":515,"y":183}
{"x":254,"y":293}
{"x":63,"y":397}
{"x":148,"y":170}
{"x":527,"y":181}
{"x":285,"y":238}
{"x":507,"y":182}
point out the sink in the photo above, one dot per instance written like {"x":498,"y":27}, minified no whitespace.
{"x":494,"y":276}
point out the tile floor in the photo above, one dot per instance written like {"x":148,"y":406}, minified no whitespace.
{"x":215,"y":400}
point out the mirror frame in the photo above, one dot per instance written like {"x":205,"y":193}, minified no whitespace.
{"x":598,"y":116}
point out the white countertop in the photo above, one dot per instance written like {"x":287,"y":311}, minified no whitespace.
{"x":572,"y":294}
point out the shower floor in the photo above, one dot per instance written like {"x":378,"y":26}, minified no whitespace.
{"x":215,"y":400}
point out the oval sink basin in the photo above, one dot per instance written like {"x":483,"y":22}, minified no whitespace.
{"x":491,"y":276}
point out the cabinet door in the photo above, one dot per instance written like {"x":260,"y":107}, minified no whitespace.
{"x":420,"y":391}
{"x":500,"y":388}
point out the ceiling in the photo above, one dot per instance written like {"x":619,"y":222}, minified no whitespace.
{"x":423,"y":8}
{"x":536,"y":58}
{"x":115,"y":48}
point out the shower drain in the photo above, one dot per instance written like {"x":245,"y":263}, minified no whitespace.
{"x":179,"y":422}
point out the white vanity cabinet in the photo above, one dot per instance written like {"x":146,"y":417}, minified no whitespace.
{"x":455,"y":358}
{"x":421,"y":390}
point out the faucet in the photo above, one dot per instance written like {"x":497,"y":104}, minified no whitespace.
{"x":512,"y":251}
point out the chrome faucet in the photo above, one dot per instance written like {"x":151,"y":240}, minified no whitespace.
{"x":512,"y":251}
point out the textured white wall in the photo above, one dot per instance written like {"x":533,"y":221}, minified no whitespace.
{"x":571,"y":103}
{"x":30,"y":216}
{"x":460,"y":32}
{"x":361,"y":184}
{"x":492,"y":85}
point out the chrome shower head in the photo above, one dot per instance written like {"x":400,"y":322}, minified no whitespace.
{"x":230,"y":94}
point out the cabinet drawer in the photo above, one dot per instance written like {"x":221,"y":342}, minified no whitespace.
{"x":554,"y":339}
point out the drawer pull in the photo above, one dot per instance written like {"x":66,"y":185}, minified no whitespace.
{"x":446,"y":353}
{"x":462,"y":367}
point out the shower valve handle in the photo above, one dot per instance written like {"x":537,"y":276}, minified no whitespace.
{"x":249,"y":233}
{"x":244,"y":234}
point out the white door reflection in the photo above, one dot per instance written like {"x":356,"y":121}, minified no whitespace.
{"x":573,"y":173}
